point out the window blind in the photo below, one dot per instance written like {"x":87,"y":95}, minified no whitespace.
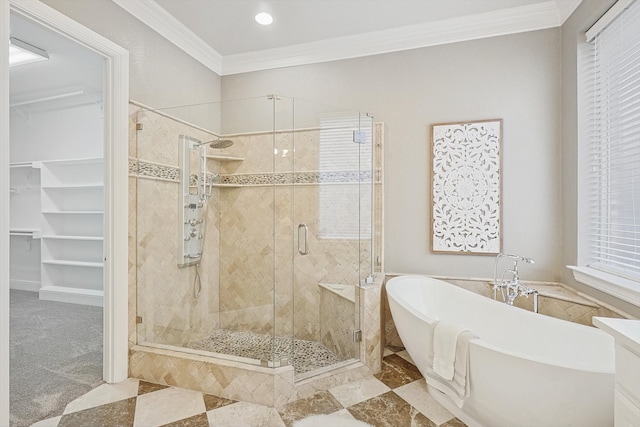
{"x":614,"y":146}
{"x":344,"y":193}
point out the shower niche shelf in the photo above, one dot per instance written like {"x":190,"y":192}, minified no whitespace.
{"x":224,"y":158}
{"x":72,"y":203}
{"x":227,"y":185}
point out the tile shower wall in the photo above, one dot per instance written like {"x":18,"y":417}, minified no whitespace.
{"x":165,"y":301}
{"x":337,"y":305}
{"x":242,"y":258}
{"x":246,"y":216}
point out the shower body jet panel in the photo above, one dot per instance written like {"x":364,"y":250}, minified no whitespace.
{"x":193,"y":198}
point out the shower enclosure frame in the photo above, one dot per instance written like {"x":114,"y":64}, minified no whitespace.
{"x":284,"y":132}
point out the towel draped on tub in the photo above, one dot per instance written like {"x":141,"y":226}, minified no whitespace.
{"x":448,"y":362}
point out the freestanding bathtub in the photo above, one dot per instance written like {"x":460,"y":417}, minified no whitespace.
{"x":525,"y":369}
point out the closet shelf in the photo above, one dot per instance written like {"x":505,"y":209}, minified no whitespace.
{"x":82,"y":238}
{"x":72,"y":212}
{"x":18,"y":165}
{"x":27,"y":232}
{"x":73,"y":263}
{"x":74,"y":187}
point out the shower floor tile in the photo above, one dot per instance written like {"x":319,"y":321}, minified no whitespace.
{"x":305,"y":355}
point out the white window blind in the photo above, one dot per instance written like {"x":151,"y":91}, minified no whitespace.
{"x":614,"y":146}
{"x":344,"y":196}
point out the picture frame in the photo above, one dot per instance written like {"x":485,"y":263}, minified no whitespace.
{"x":466,"y":187}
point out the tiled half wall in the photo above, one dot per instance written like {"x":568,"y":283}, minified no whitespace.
{"x":555,"y":300}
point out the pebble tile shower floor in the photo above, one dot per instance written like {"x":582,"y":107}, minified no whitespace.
{"x":305,"y":355}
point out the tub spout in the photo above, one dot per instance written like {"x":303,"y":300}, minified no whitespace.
{"x":526,"y":291}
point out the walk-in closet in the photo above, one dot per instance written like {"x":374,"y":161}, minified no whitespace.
{"x":56,"y":221}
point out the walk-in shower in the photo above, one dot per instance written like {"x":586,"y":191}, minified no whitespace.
{"x":256,"y":231}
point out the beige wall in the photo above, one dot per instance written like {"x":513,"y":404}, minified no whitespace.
{"x":527,"y":79}
{"x":572,"y":36}
{"x":515,"y":77}
{"x":160,"y":74}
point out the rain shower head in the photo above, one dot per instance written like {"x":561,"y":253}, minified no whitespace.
{"x":220,"y":143}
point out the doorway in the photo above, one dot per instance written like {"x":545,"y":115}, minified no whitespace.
{"x":115,"y":114}
{"x":56,"y":194}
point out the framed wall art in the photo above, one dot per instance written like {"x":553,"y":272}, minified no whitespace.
{"x":466,"y":186}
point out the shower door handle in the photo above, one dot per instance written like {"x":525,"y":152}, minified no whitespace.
{"x":303,"y":231}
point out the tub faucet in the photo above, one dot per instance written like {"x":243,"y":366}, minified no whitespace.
{"x":511,"y":289}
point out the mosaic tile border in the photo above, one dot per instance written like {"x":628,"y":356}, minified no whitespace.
{"x":145,"y":169}
{"x":141,"y":168}
{"x":342,"y":177}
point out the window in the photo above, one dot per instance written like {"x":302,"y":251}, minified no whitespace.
{"x":345,"y":178}
{"x":612,"y":184}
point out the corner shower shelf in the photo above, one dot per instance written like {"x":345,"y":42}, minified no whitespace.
{"x":224,"y":158}
{"x":227,"y":185}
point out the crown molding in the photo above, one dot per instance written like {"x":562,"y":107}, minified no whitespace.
{"x":537,"y":16}
{"x":161,"y":21}
{"x":501,"y":22}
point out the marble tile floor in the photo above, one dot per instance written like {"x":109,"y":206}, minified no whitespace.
{"x":396,"y":397}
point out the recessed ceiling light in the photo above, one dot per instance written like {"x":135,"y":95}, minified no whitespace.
{"x":264,"y":18}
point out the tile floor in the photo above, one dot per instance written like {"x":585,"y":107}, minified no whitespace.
{"x":309,"y":355}
{"x":396,"y":397}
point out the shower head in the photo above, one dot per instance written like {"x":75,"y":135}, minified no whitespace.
{"x":220,"y":143}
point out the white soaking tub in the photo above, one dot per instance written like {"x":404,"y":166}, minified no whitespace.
{"x":525,"y":369}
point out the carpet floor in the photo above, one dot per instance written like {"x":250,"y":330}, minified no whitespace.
{"x":55,"y":355}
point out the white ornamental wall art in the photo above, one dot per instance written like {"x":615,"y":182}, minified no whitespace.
{"x":466,"y":214}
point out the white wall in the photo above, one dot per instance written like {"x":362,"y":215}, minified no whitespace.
{"x":161,"y":75}
{"x":4,"y":215}
{"x":515,"y":77}
{"x":69,"y":133}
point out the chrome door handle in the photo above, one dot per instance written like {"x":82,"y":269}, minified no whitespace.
{"x":305,"y":233}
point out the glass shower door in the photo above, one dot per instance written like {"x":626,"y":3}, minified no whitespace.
{"x":329,"y":206}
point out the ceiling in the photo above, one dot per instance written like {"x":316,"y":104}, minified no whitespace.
{"x":223,"y":34}
{"x":73,"y":73}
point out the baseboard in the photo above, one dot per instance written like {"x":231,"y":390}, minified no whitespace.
{"x":24,"y":285}
{"x":71,"y":295}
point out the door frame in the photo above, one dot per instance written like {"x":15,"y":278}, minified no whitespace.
{"x":116,"y":106}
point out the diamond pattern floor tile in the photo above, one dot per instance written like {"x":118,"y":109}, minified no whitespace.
{"x":396,"y":397}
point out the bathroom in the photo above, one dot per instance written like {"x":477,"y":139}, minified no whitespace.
{"x":530,"y":89}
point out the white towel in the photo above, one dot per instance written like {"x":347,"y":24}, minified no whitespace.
{"x":445,"y":339}
{"x":458,"y":388}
